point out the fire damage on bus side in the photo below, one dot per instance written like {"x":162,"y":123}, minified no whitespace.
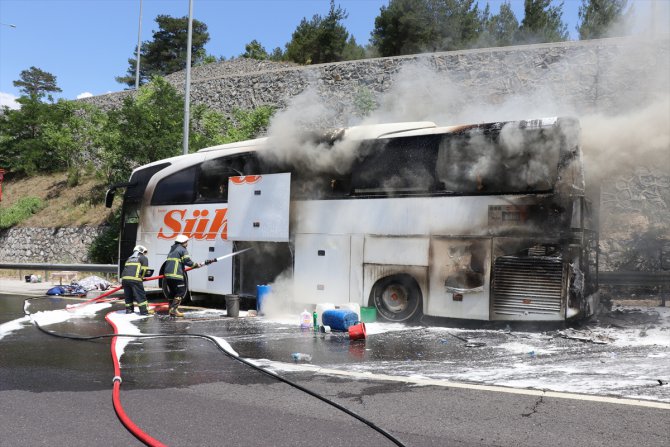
{"x":489,"y":222}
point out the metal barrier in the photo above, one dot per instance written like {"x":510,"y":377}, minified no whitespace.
{"x":62,"y":269}
{"x":637,"y":279}
{"x":103,"y":268}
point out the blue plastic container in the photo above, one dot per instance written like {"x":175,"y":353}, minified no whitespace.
{"x":339,"y":319}
{"x":261,"y":292}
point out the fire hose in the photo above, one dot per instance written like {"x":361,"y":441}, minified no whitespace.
{"x":101,"y":298}
{"x":116,"y":400}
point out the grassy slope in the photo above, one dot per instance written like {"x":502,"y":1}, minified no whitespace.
{"x":82,"y":205}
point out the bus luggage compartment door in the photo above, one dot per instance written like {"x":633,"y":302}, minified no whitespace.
{"x":258,"y":207}
{"x":459,"y":280}
{"x":321,"y":272}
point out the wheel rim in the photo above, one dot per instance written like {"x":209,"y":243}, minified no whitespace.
{"x":395,"y":298}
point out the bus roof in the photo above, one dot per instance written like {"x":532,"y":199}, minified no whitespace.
{"x":538,"y":123}
{"x":364,"y":132}
{"x":367,"y":132}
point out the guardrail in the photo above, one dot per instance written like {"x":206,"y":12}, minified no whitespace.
{"x":637,"y":279}
{"x":60,"y":270}
{"x":102,"y":268}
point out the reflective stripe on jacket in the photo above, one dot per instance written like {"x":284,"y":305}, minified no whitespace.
{"x":176,"y":260}
{"x":135,"y":268}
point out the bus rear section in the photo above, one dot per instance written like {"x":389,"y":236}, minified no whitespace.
{"x":456,"y":224}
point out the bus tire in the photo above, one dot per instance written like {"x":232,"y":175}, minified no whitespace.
{"x":397,"y":298}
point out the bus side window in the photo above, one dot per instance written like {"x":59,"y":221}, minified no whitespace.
{"x":396,"y":166}
{"x":213,"y":175}
{"x":177,"y":188}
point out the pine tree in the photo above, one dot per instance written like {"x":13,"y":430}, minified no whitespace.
{"x":542,"y":23}
{"x":602,"y":18}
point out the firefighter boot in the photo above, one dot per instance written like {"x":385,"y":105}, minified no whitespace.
{"x":174,"y":308}
{"x":130,"y":308}
{"x":144,"y":310}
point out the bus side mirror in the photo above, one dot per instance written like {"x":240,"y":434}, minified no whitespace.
{"x":109,"y":197}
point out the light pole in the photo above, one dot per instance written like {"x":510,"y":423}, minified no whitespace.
{"x":187,"y":94}
{"x":139,"y":40}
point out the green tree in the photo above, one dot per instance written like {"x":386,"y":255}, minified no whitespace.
{"x":23,"y":149}
{"x":254,"y":50}
{"x":415,"y":26}
{"x":500,"y":29}
{"x":542,"y":23}
{"x":458,"y":24}
{"x":36,"y":83}
{"x":352,"y":51}
{"x":105,"y":248}
{"x":74,"y":134}
{"x":320,"y":40}
{"x":602,"y":18}
{"x":166,"y":53}
{"x":403,"y":27}
{"x":145,"y":128}
{"x":277,"y":55}
{"x":149,"y":127}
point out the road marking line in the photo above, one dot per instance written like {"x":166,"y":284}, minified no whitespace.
{"x":494,"y":388}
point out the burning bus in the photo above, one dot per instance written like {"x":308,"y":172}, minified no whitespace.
{"x":484,"y":221}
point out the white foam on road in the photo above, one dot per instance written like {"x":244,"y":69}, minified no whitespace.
{"x":124,"y":325}
{"x":49,"y":317}
{"x":13,"y":326}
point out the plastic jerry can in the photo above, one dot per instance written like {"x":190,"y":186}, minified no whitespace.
{"x":339,"y":319}
{"x":320,"y":309}
{"x":354,"y":307}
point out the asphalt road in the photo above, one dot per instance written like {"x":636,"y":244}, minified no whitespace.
{"x":185,"y":392}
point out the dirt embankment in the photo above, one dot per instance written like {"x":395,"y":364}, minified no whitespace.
{"x":65,"y":206}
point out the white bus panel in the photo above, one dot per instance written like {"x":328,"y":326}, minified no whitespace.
{"x":258,"y":207}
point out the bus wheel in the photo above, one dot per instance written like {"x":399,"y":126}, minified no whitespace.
{"x":397,"y":298}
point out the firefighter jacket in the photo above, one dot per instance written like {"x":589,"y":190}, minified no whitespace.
{"x":177,"y":259}
{"x":136,"y":267}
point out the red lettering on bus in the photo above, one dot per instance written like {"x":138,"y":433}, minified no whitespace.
{"x":196,"y":226}
{"x":172,"y":223}
{"x":249,"y":179}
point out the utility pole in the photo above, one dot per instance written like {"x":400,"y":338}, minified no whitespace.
{"x":187,"y":94}
{"x":139,"y":45}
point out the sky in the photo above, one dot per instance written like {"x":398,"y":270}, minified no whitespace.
{"x":87,"y":43}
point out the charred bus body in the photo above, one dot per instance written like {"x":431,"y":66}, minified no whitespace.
{"x":479,"y":222}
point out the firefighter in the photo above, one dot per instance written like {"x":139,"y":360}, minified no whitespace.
{"x":132,"y":278}
{"x":175,"y":273}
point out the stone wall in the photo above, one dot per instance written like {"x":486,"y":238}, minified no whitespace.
{"x":582,"y":76}
{"x":605,"y":76}
{"x":47,"y":245}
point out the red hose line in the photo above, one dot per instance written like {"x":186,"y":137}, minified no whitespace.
{"x":116,"y":399}
{"x":109,"y":292}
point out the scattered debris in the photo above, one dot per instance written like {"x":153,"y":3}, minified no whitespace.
{"x":586,"y":336}
{"x":92,"y":283}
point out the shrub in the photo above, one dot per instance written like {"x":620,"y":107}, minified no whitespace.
{"x":19,"y":212}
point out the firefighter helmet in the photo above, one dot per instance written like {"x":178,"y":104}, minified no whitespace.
{"x":181,"y":239}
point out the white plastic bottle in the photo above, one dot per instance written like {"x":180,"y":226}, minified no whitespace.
{"x":300,"y":357}
{"x":305,"y":320}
